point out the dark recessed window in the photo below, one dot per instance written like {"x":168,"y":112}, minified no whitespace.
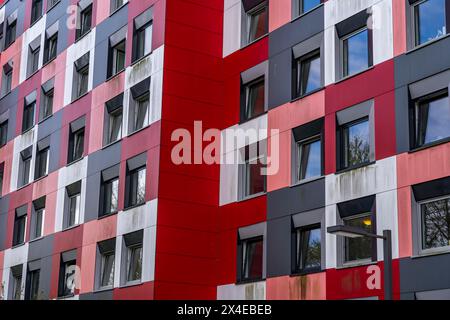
{"x":47,"y":95}
{"x":20,"y":224}
{"x":117,"y":58}
{"x":308,"y":72}
{"x":310,"y":158}
{"x":42,"y":158}
{"x":33,"y":60}
{"x":139,"y":113}
{"x":257,"y":22}
{"x":7,"y":79}
{"x":115,"y":125}
{"x":32,"y":287}
{"x":116,"y":4}
{"x":142,"y":35}
{"x":10,"y":33}
{"x":355,"y":143}
{"x":356,"y":52}
{"x":109,"y":193}
{"x":73,"y":206}
{"x":85,"y":21}
{"x":3,"y":133}
{"x":136,"y":186}
{"x":133,"y":257}
{"x":429,"y":20}
{"x":432,"y":118}
{"x":254,"y":178}
{"x":308,"y":5}
{"x":24,"y":167}
{"x":67,"y":269}
{"x":28,"y":116}
{"x":37,"y":219}
{"x":358,"y":249}
{"x":76,"y":141}
{"x":52,"y":3}
{"x":81,"y":76}
{"x":308,"y":249}
{"x":254,"y":99}
{"x":16,"y":283}
{"x":252,"y":259}
{"x":36,"y":10}
{"x":51,"y":47}
{"x":2,"y":175}
{"x":435,"y":223}
{"x":106,"y":263}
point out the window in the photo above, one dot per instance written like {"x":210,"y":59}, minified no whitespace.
{"x":3,"y":133}
{"x":109,"y":191}
{"x":37,"y":219}
{"x":135,"y":181}
{"x":52,"y":3}
{"x":10,"y":32}
{"x":81,"y":77}
{"x":36,"y":10}
{"x":308,"y":249}
{"x":2,"y":173}
{"x":310,"y":158}
{"x":114,"y":125}
{"x":139,"y":115}
{"x":355,"y":143}
{"x":356,"y":52}
{"x":432,"y":116}
{"x":51,"y":44}
{"x":32,"y":288}
{"x":257,"y":21}
{"x":76,"y":140}
{"x":435,"y":223}
{"x":308,"y":74}
{"x":47,"y":95}
{"x":116,"y":54}
{"x":142,"y":37}
{"x":357,"y":249}
{"x":72,"y":205}
{"x":16,"y":283}
{"x":85,"y":21}
{"x":429,"y":20}
{"x":105,"y":264}
{"x":24,"y":167}
{"x":67,"y":274}
{"x":132,"y":257}
{"x":307,"y":5}
{"x":42,"y":158}
{"x":254,"y":179}
{"x":254,"y":99}
{"x":116,"y":4}
{"x":252,"y":259}
{"x":28,"y":114}
{"x":33,"y":60}
{"x":7,"y":78}
{"x":20,"y":223}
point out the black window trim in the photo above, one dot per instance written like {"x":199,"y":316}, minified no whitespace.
{"x":296,"y":269}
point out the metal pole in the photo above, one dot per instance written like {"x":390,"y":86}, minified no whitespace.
{"x":387,"y":253}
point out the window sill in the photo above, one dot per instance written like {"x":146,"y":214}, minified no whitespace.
{"x":80,"y":97}
{"x":254,"y":41}
{"x":132,"y":284}
{"x":430,"y":145}
{"x":249,"y":281}
{"x":103,"y":289}
{"x":252,"y":118}
{"x":356,"y":264}
{"x":107,"y":215}
{"x":436,"y":252}
{"x":71,"y":228}
{"x":41,"y":178}
{"x":66,"y":297}
{"x":54,"y":5}
{"x":46,"y":63}
{"x":307,"y":94}
{"x":354,"y":75}
{"x":362,"y":165}
{"x":74,"y":161}
{"x":18,"y":245}
{"x":36,"y":239}
{"x":32,"y":74}
{"x":306,"y":181}
{"x":106,"y":146}
{"x":115,"y":75}
{"x":118,"y":9}
{"x":253,"y":196}
{"x":307,"y":12}
{"x":133,"y":63}
{"x":27,"y":130}
{"x":44,"y":119}
{"x":305,"y":272}
{"x":134,"y":206}
{"x":6,"y":94}
{"x":23,"y":187}
{"x":429,"y":43}
{"x":138,"y":130}
{"x":84,"y":35}
{"x":35,"y":21}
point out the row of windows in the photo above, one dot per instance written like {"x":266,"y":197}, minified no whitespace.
{"x":131,"y":262}
{"x":142,"y":46}
{"x":135,"y":184}
{"x":307,"y":240}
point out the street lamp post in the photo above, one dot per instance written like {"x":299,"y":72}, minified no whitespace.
{"x":354,"y":232}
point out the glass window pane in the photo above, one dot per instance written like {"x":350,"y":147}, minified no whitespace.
{"x":17,"y":289}
{"x":307,"y":5}
{"x":258,"y":24}
{"x":434,"y":119}
{"x":38,"y":223}
{"x":310,"y":159}
{"x":435,"y":224}
{"x":141,"y":113}
{"x":310,"y":75}
{"x":356,"y":144}
{"x":253,"y":259}
{"x":134,"y":263}
{"x":115,"y":126}
{"x":107,"y":277}
{"x":429,"y":20}
{"x":74,"y":209}
{"x":255,"y":180}
{"x":309,"y":249}
{"x":358,"y":248}
{"x":356,"y":53}
{"x":148,"y":39}
{"x":255,"y":100}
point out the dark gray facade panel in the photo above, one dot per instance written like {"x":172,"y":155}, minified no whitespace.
{"x":103,"y":31}
{"x":100,"y":295}
{"x":8,"y":101}
{"x":50,"y":125}
{"x":422,"y":63}
{"x":292,"y":200}
{"x":92,"y":197}
{"x":280,"y":79}
{"x":297,"y":31}
{"x":3,"y":230}
{"x":104,"y":158}
{"x":279,"y":247}
{"x":424,"y":273}
{"x":20,"y":5}
{"x":402,"y":119}
{"x":59,"y":13}
{"x":41,"y":248}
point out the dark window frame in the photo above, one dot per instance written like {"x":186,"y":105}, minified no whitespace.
{"x":132,"y":200}
{"x":3,"y":133}
{"x":137,"y":44}
{"x":298,"y":63}
{"x":20,"y":226}
{"x":63,"y":290}
{"x":297,"y":253}
{"x":344,"y":57}
{"x":36,"y":10}
{"x":83,"y":29}
{"x":242,"y":259}
{"x":249,"y":15}
{"x":29,"y":109}
{"x":245,"y":98}
{"x":51,"y":48}
{"x":75,"y":136}
{"x":11,"y":33}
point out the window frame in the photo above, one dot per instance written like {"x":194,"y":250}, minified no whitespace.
{"x":26,"y":107}
{"x":115,"y":8}
{"x":48,"y":56}
{"x":3,"y":129}
{"x":80,"y":32}
{"x":105,"y":248}
{"x":39,"y":13}
{"x":299,"y":148}
{"x":63,"y":290}
{"x":130,"y":174}
{"x":137,"y":55}
{"x":30,"y":285}
{"x":24,"y":168}
{"x":15,"y":280}
{"x":11,"y":33}
{"x":39,"y":158}
{"x":298,"y":74}
{"x":46,"y":109}
{"x":103,"y":197}
{"x":113,"y":69}
{"x":244,"y":176}
{"x":74,"y":137}
{"x":248,"y":88}
{"x":35,"y":212}
{"x":131,"y":241}
{"x":20,"y":218}
{"x":243,"y":243}
{"x":251,"y":13}
{"x":7,"y":81}
{"x":344,"y":58}
{"x":298,"y":269}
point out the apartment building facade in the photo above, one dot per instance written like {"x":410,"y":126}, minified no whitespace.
{"x":330,"y":112}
